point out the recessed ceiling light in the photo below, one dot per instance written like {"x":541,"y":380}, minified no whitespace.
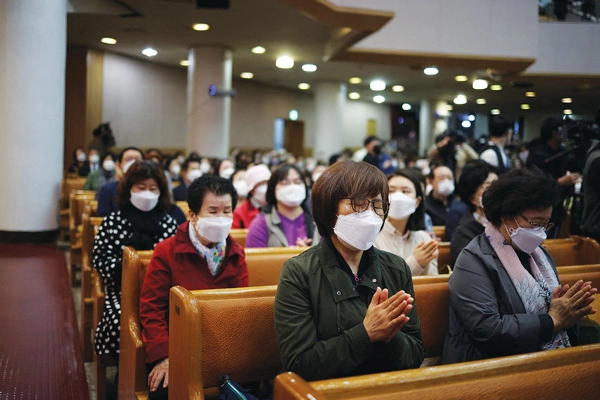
{"x":406,"y":107}
{"x":480,"y":101}
{"x":259,"y":50}
{"x":431,"y":71}
{"x":354,"y":95}
{"x":466,"y":124}
{"x":398,"y":88}
{"x":568,"y":112}
{"x":496,"y":87}
{"x":495,"y":111}
{"x":377,"y":85}
{"x":184,"y":63}
{"x":201,"y":27}
{"x":303,"y":86}
{"x":480,"y":84}
{"x":461,"y":78}
{"x":379,"y":99}
{"x":293,"y":115}
{"x":567,"y":100}
{"x":525,"y":106}
{"x":149,"y":52}
{"x":355,"y":80}
{"x":530,"y":94}
{"x":246,"y":75}
{"x":471,"y":117}
{"x":108,"y":40}
{"x":460,"y":99}
{"x":284,"y":62}
{"x":309,"y":67}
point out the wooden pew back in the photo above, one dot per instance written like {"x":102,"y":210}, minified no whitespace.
{"x":239,"y":235}
{"x":443,"y":257}
{"x":221,"y":331}
{"x":440,"y":232}
{"x":184,"y":207}
{"x":575,"y":250}
{"x":265,"y":264}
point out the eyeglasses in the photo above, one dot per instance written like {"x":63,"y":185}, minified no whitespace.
{"x":538,"y":227}
{"x":361,"y":204}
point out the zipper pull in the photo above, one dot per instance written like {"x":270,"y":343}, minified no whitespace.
{"x":356,"y":278}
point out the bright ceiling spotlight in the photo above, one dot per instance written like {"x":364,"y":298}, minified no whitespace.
{"x":406,"y":107}
{"x":461,"y":78}
{"x":200,"y":27}
{"x":398,"y":88}
{"x":284,"y":62}
{"x":460,"y":99}
{"x":567,"y":100}
{"x":309,"y":67}
{"x":480,"y":84}
{"x":108,"y":40}
{"x":355,"y":80}
{"x":495,"y":111}
{"x":379,"y":99}
{"x":149,"y":52}
{"x":354,"y":95}
{"x":258,"y":50}
{"x":480,"y":101}
{"x":303,"y":86}
{"x":377,"y":85}
{"x":246,"y":75}
{"x":530,"y":94}
{"x":496,"y":87}
{"x":525,"y":106}
{"x":431,"y":71}
{"x":471,"y":117}
{"x":466,"y":124}
{"x":184,"y":63}
{"x":568,"y":112}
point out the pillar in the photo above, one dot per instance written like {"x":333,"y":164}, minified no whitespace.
{"x":426,"y":121}
{"x":330,"y":101}
{"x":209,"y":117}
{"x":32,"y":91}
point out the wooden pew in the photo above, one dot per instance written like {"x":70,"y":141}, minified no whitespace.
{"x":440,"y":232}
{"x":575,"y":250}
{"x":265,"y":264}
{"x":239,"y":235}
{"x":103,"y":361}
{"x":89,"y":228}
{"x":67,"y":186}
{"x":555,"y":375}
{"x":184,"y":207}
{"x":77,"y":202}
{"x":444,"y":257}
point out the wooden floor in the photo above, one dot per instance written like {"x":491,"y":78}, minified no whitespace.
{"x":40,"y":356}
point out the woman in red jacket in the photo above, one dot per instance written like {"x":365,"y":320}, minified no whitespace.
{"x":201,"y":255}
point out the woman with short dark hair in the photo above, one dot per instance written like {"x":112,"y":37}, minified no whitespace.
{"x":142,"y":222}
{"x":505,"y":296}
{"x":344,"y":307}
{"x":285,"y":220}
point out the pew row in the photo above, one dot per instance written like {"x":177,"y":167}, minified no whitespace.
{"x":67,"y":186}
{"x":77,"y":201}
{"x":101,"y":362}
{"x":557,"y":374}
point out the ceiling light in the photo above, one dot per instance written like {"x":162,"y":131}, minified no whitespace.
{"x":480,"y":84}
{"x":461,"y":78}
{"x":309,"y":68}
{"x":201,"y":27}
{"x":377,"y":85}
{"x":471,"y":117}
{"x":149,"y":52}
{"x":525,"y":106}
{"x":379,"y":99}
{"x":184,"y":63}
{"x":567,"y":100}
{"x":480,"y":101}
{"x":303,"y":86}
{"x":246,"y":75}
{"x":406,"y":107}
{"x":460,"y":99}
{"x":293,"y":115}
{"x":355,"y":80}
{"x":466,"y":124}
{"x":495,"y":111}
{"x":354,"y":95}
{"x":496,"y":87}
{"x":108,"y":40}
{"x":431,"y":71}
{"x":568,"y":112}
{"x":398,"y":88}
{"x":259,"y":50}
{"x":284,"y":62}
{"x":530,"y":94}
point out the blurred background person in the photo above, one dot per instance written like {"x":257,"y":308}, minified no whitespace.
{"x":106,"y":173}
{"x":256,"y":179}
{"x":500,"y":136}
{"x":591,"y":189}
{"x":437,"y":202}
{"x":80,"y":166}
{"x":239,"y":183}
{"x":190,"y":171}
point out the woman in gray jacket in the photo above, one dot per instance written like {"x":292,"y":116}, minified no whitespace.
{"x":505,"y":296}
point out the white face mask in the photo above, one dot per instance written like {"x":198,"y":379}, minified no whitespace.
{"x":127,"y":165}
{"x":81,"y":157}
{"x":193,"y":174}
{"x":241,"y":187}
{"x":291,"y":195}
{"x":526,"y":239}
{"x":108,"y":165}
{"x":205,"y":168}
{"x":144,"y":201}
{"x":94,"y":158}
{"x":358,"y":230}
{"x":260,"y":194}
{"x":446,"y":187}
{"x":227,"y":172}
{"x":175,"y":170}
{"x":214,"y":229}
{"x":401,"y":205}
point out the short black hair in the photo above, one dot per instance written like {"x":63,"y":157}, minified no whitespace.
{"x":370,"y":139}
{"x":498,"y":125}
{"x":140,"y":171}
{"x":519,"y":190}
{"x":127,"y":149}
{"x":549,"y":126}
{"x":473,"y":174}
{"x":186,"y":163}
{"x":277,"y":176}
{"x":213,"y":184}
{"x":416,"y":221}
{"x":106,"y":155}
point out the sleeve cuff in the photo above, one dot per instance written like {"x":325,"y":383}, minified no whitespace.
{"x":546,"y":327}
{"x":157,"y":352}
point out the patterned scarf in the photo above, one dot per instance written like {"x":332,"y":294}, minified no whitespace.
{"x":535,"y":291}
{"x":214,"y":256}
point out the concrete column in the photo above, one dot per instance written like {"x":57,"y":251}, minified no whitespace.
{"x":426,"y":121}
{"x":330,"y":102}
{"x":209,"y":116}
{"x":32,"y":95}
{"x":481,"y":125}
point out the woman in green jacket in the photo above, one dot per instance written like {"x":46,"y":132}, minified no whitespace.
{"x":344,"y":307}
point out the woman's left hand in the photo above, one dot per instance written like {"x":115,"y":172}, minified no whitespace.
{"x":158,"y":373}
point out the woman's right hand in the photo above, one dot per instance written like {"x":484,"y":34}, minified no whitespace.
{"x":425,"y":252}
{"x":569,"y":304}
{"x":160,"y":373}
{"x":386,"y":316}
